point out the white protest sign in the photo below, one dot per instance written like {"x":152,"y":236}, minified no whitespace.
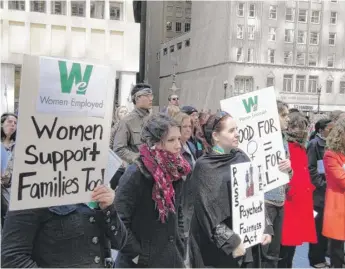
{"x":59,"y":157}
{"x":248,"y":204}
{"x":66,"y":88}
{"x":258,"y":122}
{"x":114,"y":163}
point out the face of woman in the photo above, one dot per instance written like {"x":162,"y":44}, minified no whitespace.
{"x":172,"y":141}
{"x":228,"y":137}
{"x":10,"y":125}
{"x":122,"y":112}
{"x":186,"y":129}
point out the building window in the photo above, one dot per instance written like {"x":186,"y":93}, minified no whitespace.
{"x":273,"y":12}
{"x":315,"y":16}
{"x":272,"y":34}
{"x":330,"y":60}
{"x":269,"y":81}
{"x":240,"y":31}
{"x":251,"y":32}
{"x":169,"y":26}
{"x":287,"y":83}
{"x":97,"y":9}
{"x":329,"y":86}
{"x":240,"y":9}
{"x":243,"y":85}
{"x":187,"y":43}
{"x":165,"y":51}
{"x":1,"y":4}
{"x":179,"y":45}
{"x":251,"y":10}
{"x":239,"y":55}
{"x":288,"y":57}
{"x":334,"y":1}
{"x":58,"y":7}
{"x":158,"y":56}
{"x":302,"y":37}
{"x":178,"y":27}
{"x":300,"y":58}
{"x":313,"y":81}
{"x":172,"y":48}
{"x":300,"y":83}
{"x":188,"y":12}
{"x":78,"y":8}
{"x":16,"y":5}
{"x":179,"y":12}
{"x":333,"y":19}
{"x":312,"y":59}
{"x":271,"y":54}
{"x":302,"y":15}
{"x":314,"y":38}
{"x":38,"y":6}
{"x":187,"y":27}
{"x":115,"y":11}
{"x":289,"y":14}
{"x":342,"y":87}
{"x":250,"y":55}
{"x":331,"y":40}
{"x":289,"y":35}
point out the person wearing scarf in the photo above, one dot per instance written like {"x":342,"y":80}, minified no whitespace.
{"x":148,"y":199}
{"x":213,"y":242}
{"x":298,"y":222}
{"x":316,"y":150}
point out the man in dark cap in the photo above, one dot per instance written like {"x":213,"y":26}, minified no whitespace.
{"x":127,"y":137}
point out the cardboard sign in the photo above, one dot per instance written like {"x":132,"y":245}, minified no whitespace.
{"x":60,"y":157}
{"x":248,"y":203}
{"x":260,"y":134}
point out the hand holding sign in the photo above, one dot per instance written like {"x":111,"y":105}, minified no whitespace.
{"x":285,"y":165}
{"x":104,"y":196}
{"x":239,"y":251}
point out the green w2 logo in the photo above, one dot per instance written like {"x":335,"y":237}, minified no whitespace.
{"x":74,"y":81}
{"x":250,"y":103}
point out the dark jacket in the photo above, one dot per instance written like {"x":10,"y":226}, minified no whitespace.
{"x":188,"y":195}
{"x":127,"y":137}
{"x":316,"y":150}
{"x":157,"y":244}
{"x":212,"y":237}
{"x":61,"y":236}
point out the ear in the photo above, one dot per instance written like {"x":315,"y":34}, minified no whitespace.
{"x":215,"y":136}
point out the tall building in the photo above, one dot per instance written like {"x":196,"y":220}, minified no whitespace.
{"x":295,"y":46}
{"x":165,"y":20}
{"x":101,"y":32}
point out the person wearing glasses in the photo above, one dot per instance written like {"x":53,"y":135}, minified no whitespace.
{"x":174,"y":100}
{"x":213,"y":242}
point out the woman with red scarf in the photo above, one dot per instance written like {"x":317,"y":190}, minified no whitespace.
{"x":148,"y":199}
{"x":298,"y":221}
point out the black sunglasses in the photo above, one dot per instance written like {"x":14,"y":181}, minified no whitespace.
{"x":175,"y":99}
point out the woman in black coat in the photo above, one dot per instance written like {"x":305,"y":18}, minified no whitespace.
{"x":213,"y":242}
{"x":148,"y":199}
{"x":316,"y":150}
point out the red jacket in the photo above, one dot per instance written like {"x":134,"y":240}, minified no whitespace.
{"x":298,"y":222}
{"x":334,"y":214}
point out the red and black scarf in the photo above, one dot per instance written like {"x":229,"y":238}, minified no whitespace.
{"x":165,"y":168}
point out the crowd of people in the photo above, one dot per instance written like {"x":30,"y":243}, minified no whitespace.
{"x":169,"y":205}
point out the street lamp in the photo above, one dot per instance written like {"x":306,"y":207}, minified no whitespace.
{"x":318,"y":98}
{"x":225,"y":85}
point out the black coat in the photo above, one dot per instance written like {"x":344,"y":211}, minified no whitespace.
{"x":157,"y":244}
{"x":61,"y":236}
{"x":316,"y":150}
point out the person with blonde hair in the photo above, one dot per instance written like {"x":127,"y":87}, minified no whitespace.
{"x":172,"y":110}
{"x":334,"y":214}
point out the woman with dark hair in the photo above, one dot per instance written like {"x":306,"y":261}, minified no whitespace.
{"x":334,"y":213}
{"x":8,"y":138}
{"x":316,"y":151}
{"x":148,"y":199}
{"x":298,"y":221}
{"x":213,"y":242}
